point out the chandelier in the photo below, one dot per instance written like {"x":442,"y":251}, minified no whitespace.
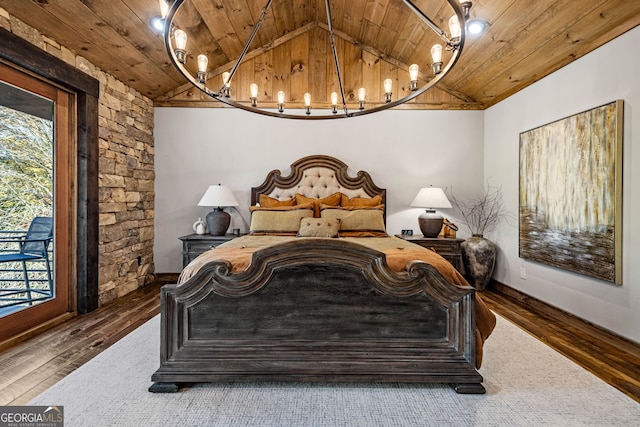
{"x":220,"y":83}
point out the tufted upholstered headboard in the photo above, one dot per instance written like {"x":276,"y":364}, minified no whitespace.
{"x":317,"y":176}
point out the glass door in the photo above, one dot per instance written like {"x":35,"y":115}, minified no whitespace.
{"x":35,"y":202}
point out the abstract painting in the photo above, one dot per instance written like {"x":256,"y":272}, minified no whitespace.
{"x":571,"y":193}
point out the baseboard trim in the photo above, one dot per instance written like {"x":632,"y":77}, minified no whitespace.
{"x":542,"y":308}
{"x":165,"y":278}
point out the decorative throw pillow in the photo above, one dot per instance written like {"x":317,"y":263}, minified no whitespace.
{"x":333,"y":200}
{"x":270,"y":202}
{"x":360,"y":201}
{"x":379,"y":207}
{"x":282,"y":208}
{"x":284,"y":219}
{"x":319,"y":227}
{"x":357,"y":220}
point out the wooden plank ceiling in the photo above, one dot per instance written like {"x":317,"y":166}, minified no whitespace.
{"x":376,"y":39}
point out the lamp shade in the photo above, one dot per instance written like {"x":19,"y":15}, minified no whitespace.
{"x":431,"y":198}
{"x":218,"y":196}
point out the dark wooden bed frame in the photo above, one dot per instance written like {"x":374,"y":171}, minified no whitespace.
{"x":321,"y":310}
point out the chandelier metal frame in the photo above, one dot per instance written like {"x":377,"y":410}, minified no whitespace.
{"x":453,"y":44}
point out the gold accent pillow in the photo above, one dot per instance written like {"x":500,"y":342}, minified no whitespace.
{"x":282,"y":208}
{"x":357,"y":220}
{"x":360,"y":201}
{"x":319,"y":227}
{"x":284,"y":219}
{"x":270,"y":202}
{"x":332,"y":200}
{"x":352,"y":208}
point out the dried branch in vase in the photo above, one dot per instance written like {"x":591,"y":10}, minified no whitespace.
{"x":483,"y":212}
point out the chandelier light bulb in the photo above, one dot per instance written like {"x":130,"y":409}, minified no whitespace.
{"x":454,"y":28}
{"x":181,"y":39}
{"x":436,"y":53}
{"x":413,"y":72}
{"x":334,"y":98}
{"x":413,"y":76}
{"x":334,"y":102}
{"x":226,"y":84}
{"x":307,"y":103}
{"x":280,"y":96}
{"x":253,"y":89}
{"x":164,"y":8}
{"x":388,"y":85}
{"x":362,"y":94}
{"x":203,"y":61}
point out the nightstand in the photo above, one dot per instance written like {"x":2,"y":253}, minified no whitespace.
{"x":195,"y":244}
{"x":447,"y":248}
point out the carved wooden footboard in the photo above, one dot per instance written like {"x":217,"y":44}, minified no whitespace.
{"x":318,"y":310}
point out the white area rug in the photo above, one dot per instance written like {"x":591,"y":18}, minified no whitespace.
{"x":528,"y":384}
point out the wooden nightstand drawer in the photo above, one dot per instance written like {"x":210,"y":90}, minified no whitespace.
{"x":195,"y":244}
{"x":447,"y":248}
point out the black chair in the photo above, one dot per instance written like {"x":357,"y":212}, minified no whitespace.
{"x":33,"y":246}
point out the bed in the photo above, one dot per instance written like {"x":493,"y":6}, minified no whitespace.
{"x":362,"y":307}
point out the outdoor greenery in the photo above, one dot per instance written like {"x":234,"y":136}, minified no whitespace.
{"x":26,"y":168}
{"x":26,"y":191}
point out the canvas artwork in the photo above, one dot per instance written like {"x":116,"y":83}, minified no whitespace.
{"x":571,"y":193}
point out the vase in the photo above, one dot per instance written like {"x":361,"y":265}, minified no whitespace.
{"x":199,"y":226}
{"x":479,"y":257}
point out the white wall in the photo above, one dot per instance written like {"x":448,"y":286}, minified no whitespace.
{"x":402,"y":150}
{"x":405,"y":150}
{"x":607,"y":74}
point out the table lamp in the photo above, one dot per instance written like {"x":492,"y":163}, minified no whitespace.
{"x":430,"y":198}
{"x":218,"y":197}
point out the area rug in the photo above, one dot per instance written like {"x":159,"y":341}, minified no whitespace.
{"x":528,"y":384}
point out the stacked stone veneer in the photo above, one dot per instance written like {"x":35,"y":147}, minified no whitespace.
{"x":126,"y":172}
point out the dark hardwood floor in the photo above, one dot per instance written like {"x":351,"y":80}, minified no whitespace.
{"x":34,"y":365}
{"x":613,"y":359}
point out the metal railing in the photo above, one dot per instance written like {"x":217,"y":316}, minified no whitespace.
{"x":13,"y":287}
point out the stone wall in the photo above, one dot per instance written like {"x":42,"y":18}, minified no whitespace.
{"x":126,"y":172}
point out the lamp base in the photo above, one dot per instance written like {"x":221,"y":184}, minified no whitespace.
{"x":218,"y":222}
{"x":430,"y":223}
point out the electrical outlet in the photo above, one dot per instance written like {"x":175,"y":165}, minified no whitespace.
{"x":523,"y":273}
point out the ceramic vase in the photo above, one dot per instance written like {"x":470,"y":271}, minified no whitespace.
{"x":199,"y":226}
{"x":479,"y":257}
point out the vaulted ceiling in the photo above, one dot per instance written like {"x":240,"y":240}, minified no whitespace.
{"x":525,"y":41}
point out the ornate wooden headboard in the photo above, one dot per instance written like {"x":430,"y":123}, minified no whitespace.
{"x":317,"y":176}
